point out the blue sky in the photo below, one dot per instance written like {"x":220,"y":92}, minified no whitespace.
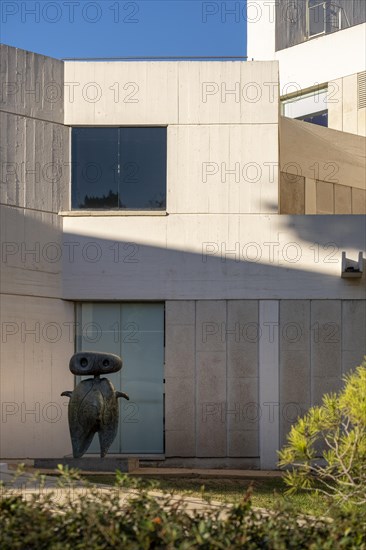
{"x":120,"y":28}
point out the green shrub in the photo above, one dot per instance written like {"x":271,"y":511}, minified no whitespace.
{"x":100,"y":520}
{"x":327,"y":447}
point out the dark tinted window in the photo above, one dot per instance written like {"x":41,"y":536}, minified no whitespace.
{"x":143,"y":168}
{"x":95,"y":168}
{"x":119,"y":168}
{"x":321,"y":118}
{"x":317,"y":17}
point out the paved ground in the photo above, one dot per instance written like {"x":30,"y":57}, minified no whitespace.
{"x":26,"y":485}
{"x":176,"y":472}
{"x":201,"y":472}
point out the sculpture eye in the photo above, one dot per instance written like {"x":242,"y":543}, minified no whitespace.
{"x":106,"y":363}
{"x":83,"y":362}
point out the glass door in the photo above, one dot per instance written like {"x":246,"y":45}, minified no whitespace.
{"x":135,"y":331}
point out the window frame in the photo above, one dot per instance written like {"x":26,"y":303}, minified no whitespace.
{"x":298,"y":100}
{"x":117,"y":211}
{"x":327,"y":6}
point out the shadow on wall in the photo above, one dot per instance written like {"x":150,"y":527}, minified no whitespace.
{"x":38,"y":260}
{"x":295,"y":256}
{"x":276,"y":257}
{"x":30,"y":252}
{"x":340,"y":228}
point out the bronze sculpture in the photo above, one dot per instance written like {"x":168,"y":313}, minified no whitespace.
{"x":93,"y":406}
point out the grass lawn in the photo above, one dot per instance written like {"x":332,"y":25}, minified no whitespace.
{"x":267,"y":492}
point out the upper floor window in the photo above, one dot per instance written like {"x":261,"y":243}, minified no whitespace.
{"x":324,"y":16}
{"x":316,"y":17}
{"x":309,"y":107}
{"x":300,"y":20}
{"x":119,"y":168}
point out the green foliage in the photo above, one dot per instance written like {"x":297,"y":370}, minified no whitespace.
{"x":133,"y":516}
{"x":327,"y":447}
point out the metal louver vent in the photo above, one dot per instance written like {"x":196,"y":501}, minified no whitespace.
{"x":361,"y":90}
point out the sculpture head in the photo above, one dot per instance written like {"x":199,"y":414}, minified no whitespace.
{"x":94,"y":363}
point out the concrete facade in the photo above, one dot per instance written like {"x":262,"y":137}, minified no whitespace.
{"x":322,"y":62}
{"x":325,"y":174}
{"x":254,"y":299}
{"x":34,"y":187}
{"x":324,"y":58}
{"x":347,"y":110}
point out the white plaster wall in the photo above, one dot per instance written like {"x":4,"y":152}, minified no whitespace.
{"x":261,"y":29}
{"x":322,"y":59}
{"x":316,"y":61}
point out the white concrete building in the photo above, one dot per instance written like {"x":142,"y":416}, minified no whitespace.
{"x":320,"y":47}
{"x":165,"y":211}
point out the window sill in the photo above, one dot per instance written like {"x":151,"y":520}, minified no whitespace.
{"x":107,"y":213}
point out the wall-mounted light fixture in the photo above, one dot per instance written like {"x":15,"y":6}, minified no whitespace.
{"x":352,"y":269}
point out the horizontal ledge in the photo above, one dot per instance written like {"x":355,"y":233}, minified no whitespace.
{"x":351,"y":274}
{"x":105,"y":213}
{"x":122,"y":456}
{"x":160,"y":58}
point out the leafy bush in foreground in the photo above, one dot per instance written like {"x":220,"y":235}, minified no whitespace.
{"x":327,"y":447}
{"x":104,"y":519}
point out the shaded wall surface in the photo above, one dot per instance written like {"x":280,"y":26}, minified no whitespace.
{"x":322,"y":170}
{"x":35,"y":346}
{"x":291,"y":19}
{"x":237,"y":376}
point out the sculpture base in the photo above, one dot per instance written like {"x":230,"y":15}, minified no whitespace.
{"x":90,"y":463}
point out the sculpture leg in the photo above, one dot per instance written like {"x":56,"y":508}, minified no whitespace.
{"x":81,"y":442}
{"x":107,"y":434}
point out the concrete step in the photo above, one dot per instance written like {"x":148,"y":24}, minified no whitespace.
{"x":90,"y":464}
